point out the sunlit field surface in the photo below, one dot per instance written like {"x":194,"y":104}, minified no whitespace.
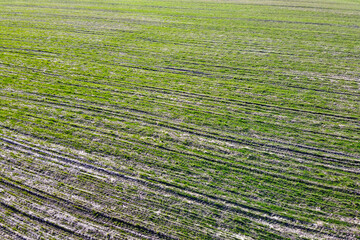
{"x":174,"y":119}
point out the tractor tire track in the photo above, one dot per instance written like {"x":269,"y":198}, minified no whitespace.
{"x":184,"y":194}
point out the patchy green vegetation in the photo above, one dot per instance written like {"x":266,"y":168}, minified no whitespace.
{"x":194,"y":119}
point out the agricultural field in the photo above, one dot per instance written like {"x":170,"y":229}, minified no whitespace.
{"x":179,"y":119}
